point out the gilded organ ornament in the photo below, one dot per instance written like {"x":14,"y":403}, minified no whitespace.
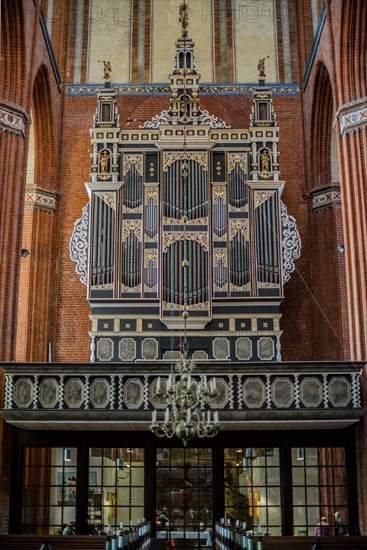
{"x":237,"y":158}
{"x":104,"y":162}
{"x":169,"y":158}
{"x":265,"y":160}
{"x":194,"y":100}
{"x":174,"y":101}
{"x":220,"y":255}
{"x":132,"y":226}
{"x":109,"y":199}
{"x":182,"y":221}
{"x":170,"y":238}
{"x":201,"y":306}
{"x":219,"y":193}
{"x":135,"y":161}
{"x":151,"y":256}
{"x":151,"y":194}
{"x":261,"y":196}
{"x":239,"y":226}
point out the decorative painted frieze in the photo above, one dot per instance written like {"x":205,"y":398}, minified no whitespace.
{"x":40,"y":199}
{"x":13,"y":119}
{"x":326,"y":198}
{"x":209,"y":89}
{"x":321,"y":388}
{"x":352,"y":116}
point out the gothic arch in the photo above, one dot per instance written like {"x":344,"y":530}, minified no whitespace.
{"x":43,"y":122}
{"x":321,"y":128}
{"x":326,"y":226}
{"x":35,"y":311}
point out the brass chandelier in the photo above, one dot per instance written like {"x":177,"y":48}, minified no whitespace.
{"x":183,"y":396}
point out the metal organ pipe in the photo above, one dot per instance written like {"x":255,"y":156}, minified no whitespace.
{"x":266,"y":236}
{"x":103,"y":242}
{"x":133,"y":189}
{"x":95,"y":241}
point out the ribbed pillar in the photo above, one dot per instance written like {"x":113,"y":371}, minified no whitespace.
{"x":12,"y":169}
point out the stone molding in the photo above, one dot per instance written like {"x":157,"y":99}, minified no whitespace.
{"x":13,"y":118}
{"x":205,"y":89}
{"x":40,"y":199}
{"x":352,"y":116}
{"x":329,"y":197}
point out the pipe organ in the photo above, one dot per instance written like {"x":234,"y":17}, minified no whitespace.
{"x":186,"y":216}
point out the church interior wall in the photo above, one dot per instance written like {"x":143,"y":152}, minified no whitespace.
{"x":54,"y":289}
{"x":342,"y":50}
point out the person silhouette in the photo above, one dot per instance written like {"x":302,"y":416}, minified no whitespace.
{"x":322,"y":528}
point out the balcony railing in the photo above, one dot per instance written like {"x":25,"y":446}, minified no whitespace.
{"x":281,"y":393}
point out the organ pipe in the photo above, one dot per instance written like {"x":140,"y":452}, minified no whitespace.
{"x":237,"y":190}
{"x":239,"y":260}
{"x":131,"y":272}
{"x":266,"y":242}
{"x":132,"y":189}
{"x":196,"y":192}
{"x":102,"y":250}
{"x":197,"y":273}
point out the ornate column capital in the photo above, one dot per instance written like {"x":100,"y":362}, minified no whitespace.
{"x":352,"y":116}
{"x":13,"y":118}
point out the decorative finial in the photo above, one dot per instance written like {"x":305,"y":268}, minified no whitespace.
{"x":107,"y":69}
{"x":184,"y":18}
{"x":261,"y":67}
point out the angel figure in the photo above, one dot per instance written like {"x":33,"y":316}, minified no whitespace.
{"x":104,"y":161}
{"x":107,"y":69}
{"x":265,"y":161}
{"x":184,"y":18}
{"x":261,"y":67}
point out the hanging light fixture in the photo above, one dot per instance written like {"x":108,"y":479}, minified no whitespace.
{"x":183,"y":396}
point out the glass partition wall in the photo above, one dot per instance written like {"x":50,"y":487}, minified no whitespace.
{"x":319,"y":491}
{"x":184,"y":496}
{"x":116,"y":489}
{"x":49,"y":490}
{"x":252,"y":489}
{"x":183,"y":491}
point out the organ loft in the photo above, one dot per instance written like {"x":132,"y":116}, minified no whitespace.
{"x":186,"y":229}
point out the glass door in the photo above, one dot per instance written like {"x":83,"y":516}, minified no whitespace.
{"x":184,"y":496}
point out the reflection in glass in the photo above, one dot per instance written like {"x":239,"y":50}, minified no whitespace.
{"x":49,"y":494}
{"x":184,"y":496}
{"x":116,"y":489}
{"x":252,"y":488}
{"x":319,"y":485}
